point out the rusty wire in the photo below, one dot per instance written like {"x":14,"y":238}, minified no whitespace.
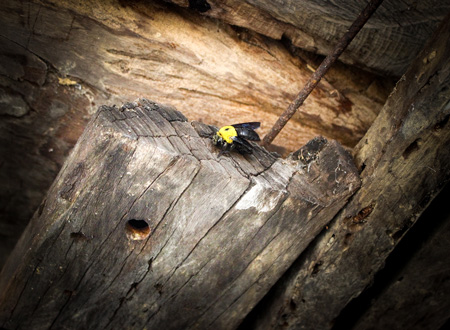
{"x":322,"y":70}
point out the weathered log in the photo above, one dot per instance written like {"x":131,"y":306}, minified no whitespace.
{"x":405,"y":162}
{"x":145,"y":226}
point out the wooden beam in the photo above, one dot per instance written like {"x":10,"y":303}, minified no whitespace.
{"x":405,"y":162}
{"x":389,"y":43}
{"x":145,"y":226}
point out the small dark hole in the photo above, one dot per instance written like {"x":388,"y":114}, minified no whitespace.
{"x":137,"y":229}
{"x":158,"y":288}
{"x":292,"y":305}
{"x":363,"y":166}
{"x":138,"y":224}
{"x":442,"y":123}
{"x":316,"y":268}
{"x":348,"y":239}
{"x":411,"y":148}
{"x":362,"y":215}
{"x":78,"y":236}
{"x":201,"y":6}
{"x":41,"y":209}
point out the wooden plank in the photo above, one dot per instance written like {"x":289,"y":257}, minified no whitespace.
{"x":221,"y":230}
{"x":405,"y":162}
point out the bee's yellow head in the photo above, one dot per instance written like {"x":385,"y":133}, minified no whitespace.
{"x":226,"y":133}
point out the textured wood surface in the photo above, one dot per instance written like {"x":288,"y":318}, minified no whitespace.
{"x":405,"y":162}
{"x":61,"y":60}
{"x":222,"y":230}
{"x":206,"y":69}
{"x":388,"y":43}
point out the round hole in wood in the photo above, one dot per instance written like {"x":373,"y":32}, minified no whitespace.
{"x":137,"y":229}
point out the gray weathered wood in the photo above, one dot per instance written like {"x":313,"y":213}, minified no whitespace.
{"x":222,"y":230}
{"x":405,"y":162}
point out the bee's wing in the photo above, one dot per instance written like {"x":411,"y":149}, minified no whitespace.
{"x":242,"y":145}
{"x":251,"y":125}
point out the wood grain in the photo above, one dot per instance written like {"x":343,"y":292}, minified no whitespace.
{"x":389,"y":42}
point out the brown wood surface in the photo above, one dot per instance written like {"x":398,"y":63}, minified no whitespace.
{"x":209,"y":71}
{"x":405,"y":162}
{"x":389,"y":42}
{"x":59,"y":60}
{"x":222,"y":229}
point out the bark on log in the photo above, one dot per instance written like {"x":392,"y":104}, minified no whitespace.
{"x":220,"y":231}
{"x":405,"y":162}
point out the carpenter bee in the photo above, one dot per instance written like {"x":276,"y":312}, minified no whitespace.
{"x":234,"y":137}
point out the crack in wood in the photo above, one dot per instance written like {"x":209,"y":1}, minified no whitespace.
{"x":171,"y":208}
{"x":275,"y":211}
{"x":207,"y":232}
{"x":31,"y":276}
{"x":169,"y":166}
{"x":190,"y":253}
{"x":99,"y":247}
{"x":218,"y":96}
{"x":49,"y":287}
{"x":121,"y":301}
{"x":33,"y":27}
{"x":237,"y":279}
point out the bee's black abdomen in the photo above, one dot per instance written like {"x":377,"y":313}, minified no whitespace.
{"x":246,"y":130}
